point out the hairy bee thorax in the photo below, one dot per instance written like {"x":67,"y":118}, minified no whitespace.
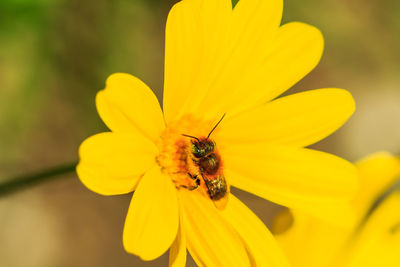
{"x":192,"y":163}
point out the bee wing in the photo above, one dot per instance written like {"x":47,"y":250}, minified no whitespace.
{"x":221,"y":203}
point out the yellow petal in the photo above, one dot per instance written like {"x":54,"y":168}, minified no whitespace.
{"x":296,"y":51}
{"x":297,"y":120}
{"x":309,"y":180}
{"x":292,"y":54}
{"x":260,"y":244}
{"x":177,"y":253}
{"x":196,"y":39}
{"x":112,"y":163}
{"x":312,"y":242}
{"x":373,"y":241}
{"x":211,"y":240}
{"x":128,"y":105}
{"x":152,"y":221}
{"x":378,"y":172}
{"x":378,"y":243}
{"x":255,"y":24}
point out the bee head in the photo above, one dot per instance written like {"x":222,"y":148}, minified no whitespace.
{"x":201,"y":148}
{"x":205,"y":146}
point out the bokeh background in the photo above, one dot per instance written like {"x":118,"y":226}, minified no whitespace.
{"x":56,"y":54}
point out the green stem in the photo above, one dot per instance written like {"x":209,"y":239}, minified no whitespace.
{"x":21,"y":182}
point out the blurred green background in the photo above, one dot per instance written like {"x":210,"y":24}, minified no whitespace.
{"x":56,"y":54}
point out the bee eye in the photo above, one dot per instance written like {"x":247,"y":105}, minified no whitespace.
{"x":197,"y":151}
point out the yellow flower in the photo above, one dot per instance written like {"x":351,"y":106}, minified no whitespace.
{"x":220,"y":61}
{"x":374,"y":240}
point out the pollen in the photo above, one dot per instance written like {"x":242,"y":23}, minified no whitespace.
{"x":175,"y":155}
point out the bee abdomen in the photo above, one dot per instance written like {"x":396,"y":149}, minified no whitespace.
{"x":217,"y":188}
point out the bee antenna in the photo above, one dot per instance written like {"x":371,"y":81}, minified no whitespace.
{"x":216,"y":125}
{"x":194,"y":137}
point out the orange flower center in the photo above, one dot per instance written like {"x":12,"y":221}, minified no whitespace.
{"x":176,"y":157}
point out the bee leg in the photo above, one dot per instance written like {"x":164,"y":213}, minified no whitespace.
{"x":193,"y":187}
{"x":192,"y":176}
{"x":197,"y":180}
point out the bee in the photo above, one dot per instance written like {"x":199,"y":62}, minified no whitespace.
{"x":208,"y":161}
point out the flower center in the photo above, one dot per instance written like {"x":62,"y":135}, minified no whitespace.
{"x":192,"y":159}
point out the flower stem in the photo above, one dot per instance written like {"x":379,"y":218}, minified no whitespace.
{"x":23,"y":181}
